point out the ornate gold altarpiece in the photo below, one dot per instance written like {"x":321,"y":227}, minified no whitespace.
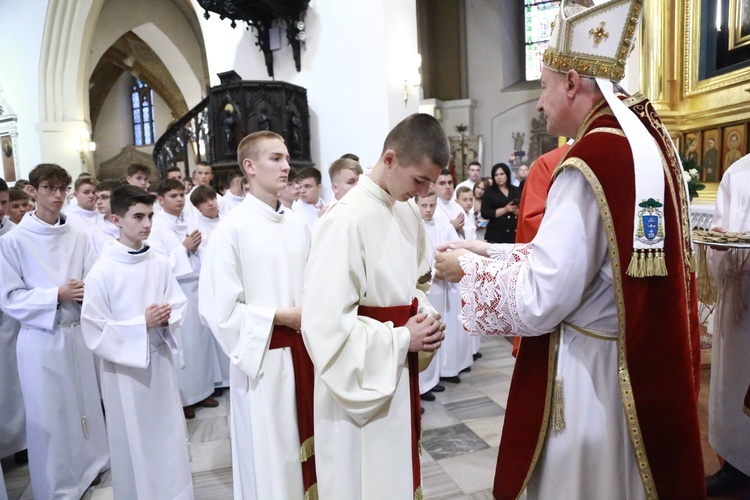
{"x":670,"y":59}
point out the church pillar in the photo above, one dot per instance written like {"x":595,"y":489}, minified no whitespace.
{"x":657,"y":56}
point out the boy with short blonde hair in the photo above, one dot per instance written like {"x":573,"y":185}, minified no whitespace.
{"x":344,"y":174}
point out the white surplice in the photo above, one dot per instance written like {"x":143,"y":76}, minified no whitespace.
{"x":728,"y":426}
{"x":196,"y":365}
{"x":12,"y":414}
{"x":368,"y":250}
{"x":446,"y":211}
{"x":231,"y":201}
{"x":65,"y":431}
{"x":309,"y":212}
{"x":564,"y":275}
{"x":80,"y":218}
{"x":455,"y":353}
{"x":221,"y":370}
{"x":470,"y":225}
{"x":102,"y":233}
{"x":254,"y":264}
{"x":145,"y":423}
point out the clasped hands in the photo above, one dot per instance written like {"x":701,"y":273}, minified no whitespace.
{"x":446,"y":258}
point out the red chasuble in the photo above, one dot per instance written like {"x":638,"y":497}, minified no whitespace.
{"x":399,"y":315}
{"x":658,"y":335}
{"x":304,"y":377}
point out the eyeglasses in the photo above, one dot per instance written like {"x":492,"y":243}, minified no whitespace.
{"x":54,"y":189}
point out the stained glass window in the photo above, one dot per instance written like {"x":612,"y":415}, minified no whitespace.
{"x":142,"y":101}
{"x":539,"y":15}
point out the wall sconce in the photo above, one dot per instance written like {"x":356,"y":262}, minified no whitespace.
{"x":414,"y":80}
{"x":83,"y":146}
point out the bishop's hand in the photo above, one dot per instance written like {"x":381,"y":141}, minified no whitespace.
{"x":475,"y":246}
{"x":447,"y":266}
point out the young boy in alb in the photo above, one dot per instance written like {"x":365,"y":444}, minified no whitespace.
{"x":366,"y":268}
{"x":18,"y":204}
{"x":204,"y":199}
{"x":291,"y":194}
{"x":138,"y":175}
{"x":250,"y":294}
{"x":12,"y":415}
{"x":465,"y":199}
{"x":310,"y":204}
{"x":176,"y":236}
{"x":42,"y":265}
{"x":104,"y":232}
{"x":344,"y":174}
{"x":429,"y":378}
{"x":234,"y":194}
{"x":133,"y":306}
{"x":83,"y":214}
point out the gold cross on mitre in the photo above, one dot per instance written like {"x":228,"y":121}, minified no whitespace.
{"x":599,"y":33}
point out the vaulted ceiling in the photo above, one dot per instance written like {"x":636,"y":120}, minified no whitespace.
{"x":131,"y":54}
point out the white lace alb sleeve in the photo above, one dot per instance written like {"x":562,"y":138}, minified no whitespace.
{"x":490,"y":292}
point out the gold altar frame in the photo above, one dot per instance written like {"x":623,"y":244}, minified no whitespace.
{"x":669,"y":74}
{"x":739,"y":35}
{"x":692,"y":43}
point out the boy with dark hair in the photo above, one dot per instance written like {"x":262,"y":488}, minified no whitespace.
{"x":291,"y":193}
{"x":12,"y":415}
{"x":5,"y":223}
{"x":465,"y":199}
{"x":104,"y":231}
{"x":447,"y":209}
{"x":177,"y":237}
{"x":310,"y":204}
{"x":250,"y":295}
{"x":138,"y":175}
{"x":18,"y":204}
{"x":344,"y":174}
{"x":42,"y":264}
{"x":83,"y":214}
{"x":234,"y":195}
{"x":133,"y":307}
{"x":366,"y":277}
{"x":175,"y":173}
{"x":204,"y":199}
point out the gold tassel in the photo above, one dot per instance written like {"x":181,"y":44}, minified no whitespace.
{"x":641,"y":264}
{"x":661,"y":263}
{"x":650,"y":263}
{"x":419,"y":494}
{"x":558,"y":406}
{"x":307,"y":449}
{"x":312,"y":492}
{"x":692,"y":263}
{"x":633,"y":266}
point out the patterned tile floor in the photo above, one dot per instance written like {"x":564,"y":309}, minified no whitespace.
{"x":461,"y":432}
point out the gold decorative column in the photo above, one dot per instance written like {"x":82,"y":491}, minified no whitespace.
{"x":657,"y":50}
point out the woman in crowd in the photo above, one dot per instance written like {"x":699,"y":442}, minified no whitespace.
{"x":480,"y":187}
{"x":500,"y":206}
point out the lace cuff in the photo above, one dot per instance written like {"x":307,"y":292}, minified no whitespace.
{"x":500,"y":251}
{"x":491,"y":293}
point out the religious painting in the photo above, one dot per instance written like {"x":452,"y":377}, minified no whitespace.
{"x":9,"y":161}
{"x":464,"y":150}
{"x":711,"y":157}
{"x":734,"y":145}
{"x":692,"y":147}
{"x":739,"y":23}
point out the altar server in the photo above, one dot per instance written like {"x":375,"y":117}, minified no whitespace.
{"x":133,"y":307}
{"x":42,"y":265}
{"x":250,"y":295}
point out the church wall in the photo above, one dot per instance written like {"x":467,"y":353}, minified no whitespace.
{"x":353,"y":67}
{"x":492,"y":66}
{"x":21,"y":40}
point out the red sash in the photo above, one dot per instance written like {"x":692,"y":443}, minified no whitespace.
{"x":399,"y":315}
{"x":304,"y":375}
